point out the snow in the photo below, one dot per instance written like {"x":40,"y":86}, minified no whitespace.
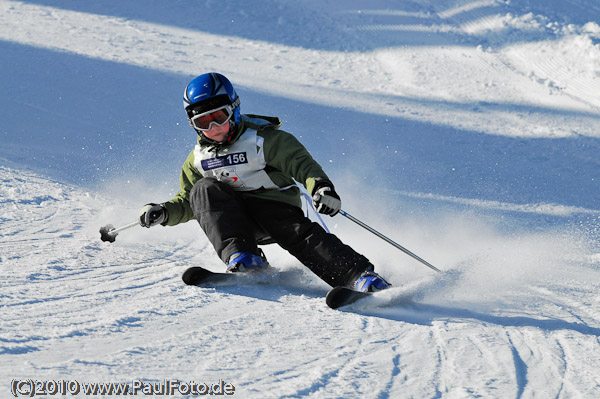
{"x":467,"y":131}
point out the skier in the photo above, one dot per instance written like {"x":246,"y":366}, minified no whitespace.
{"x":238,"y":183}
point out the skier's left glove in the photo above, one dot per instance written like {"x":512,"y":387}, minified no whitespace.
{"x":153,"y":214}
{"x":326,"y":200}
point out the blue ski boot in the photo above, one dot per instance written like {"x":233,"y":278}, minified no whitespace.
{"x":370,"y":281}
{"x":246,"y":262}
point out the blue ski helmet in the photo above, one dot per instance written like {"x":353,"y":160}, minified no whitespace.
{"x":209,"y":91}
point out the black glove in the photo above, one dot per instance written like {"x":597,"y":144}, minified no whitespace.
{"x":153,"y":214}
{"x":326,"y":200}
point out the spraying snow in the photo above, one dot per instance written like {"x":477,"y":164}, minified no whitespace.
{"x":468,"y":132}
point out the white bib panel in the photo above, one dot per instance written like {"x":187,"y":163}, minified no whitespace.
{"x":240,"y":165}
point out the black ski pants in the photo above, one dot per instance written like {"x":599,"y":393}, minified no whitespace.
{"x":234,"y":222}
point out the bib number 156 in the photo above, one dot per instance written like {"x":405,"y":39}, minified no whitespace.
{"x":234,"y":159}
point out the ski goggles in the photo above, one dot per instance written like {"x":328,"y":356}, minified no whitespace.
{"x":218,"y":116}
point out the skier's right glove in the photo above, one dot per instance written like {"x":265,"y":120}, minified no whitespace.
{"x":326,"y":200}
{"x":153,"y":214}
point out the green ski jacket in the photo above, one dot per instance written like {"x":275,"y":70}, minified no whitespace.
{"x":259,"y":161}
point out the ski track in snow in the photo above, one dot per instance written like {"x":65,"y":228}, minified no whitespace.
{"x":515,"y":313}
{"x":77,"y":307}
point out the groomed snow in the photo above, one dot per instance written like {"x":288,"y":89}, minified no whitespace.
{"x":468,"y":131}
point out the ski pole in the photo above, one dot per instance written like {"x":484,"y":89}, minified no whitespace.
{"x":378,"y":234}
{"x":109,"y":233}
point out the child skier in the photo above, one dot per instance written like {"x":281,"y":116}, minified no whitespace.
{"x":238,"y":183}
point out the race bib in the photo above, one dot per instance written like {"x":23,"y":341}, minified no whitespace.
{"x":224,"y":161}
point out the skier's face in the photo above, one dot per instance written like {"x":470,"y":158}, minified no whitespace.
{"x":217,"y":133}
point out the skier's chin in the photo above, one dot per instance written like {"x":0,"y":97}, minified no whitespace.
{"x":217,"y":135}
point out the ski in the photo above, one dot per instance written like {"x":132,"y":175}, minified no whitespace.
{"x":201,"y":276}
{"x":205,"y":278}
{"x":342,"y":296}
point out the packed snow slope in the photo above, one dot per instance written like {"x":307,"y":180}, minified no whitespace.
{"x":466,"y":130}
